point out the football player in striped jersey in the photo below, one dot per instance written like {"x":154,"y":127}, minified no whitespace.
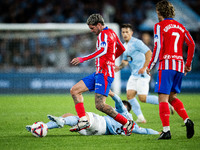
{"x":169,"y":37}
{"x":108,"y":48}
{"x":137,"y":56}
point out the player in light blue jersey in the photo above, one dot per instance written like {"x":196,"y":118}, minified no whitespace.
{"x":137,"y":56}
{"x":99,"y":125}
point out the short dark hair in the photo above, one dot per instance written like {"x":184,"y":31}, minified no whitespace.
{"x":127,"y":104}
{"x":165,"y":9}
{"x":94,"y":19}
{"x":127,"y":26}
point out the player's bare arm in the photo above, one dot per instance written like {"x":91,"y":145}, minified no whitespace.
{"x":147,"y":60}
{"x":123,"y":64}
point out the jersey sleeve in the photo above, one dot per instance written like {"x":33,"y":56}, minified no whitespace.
{"x":120,"y":108}
{"x":157,"y":46}
{"x":120,"y":48}
{"x":102,"y":49}
{"x":191,"y":46}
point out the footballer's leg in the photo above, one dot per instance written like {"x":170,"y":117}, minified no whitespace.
{"x":164,"y":113}
{"x":102,"y":88}
{"x":180,"y":109}
{"x":135,"y":106}
{"x":131,"y":92}
{"x":58,"y":120}
{"x":76,"y":92}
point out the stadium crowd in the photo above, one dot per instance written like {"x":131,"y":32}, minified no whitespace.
{"x":69,"y":11}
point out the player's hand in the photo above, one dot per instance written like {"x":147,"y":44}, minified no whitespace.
{"x":148,"y":71}
{"x":187,"y":69}
{"x":76,"y":61}
{"x":141,"y":71}
{"x":117,"y":68}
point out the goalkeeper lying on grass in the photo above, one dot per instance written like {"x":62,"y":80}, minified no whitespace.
{"x":99,"y":125}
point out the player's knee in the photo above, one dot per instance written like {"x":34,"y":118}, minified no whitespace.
{"x":143,"y":100}
{"x":130,"y":96}
{"x":171,"y":98}
{"x":73,"y":91}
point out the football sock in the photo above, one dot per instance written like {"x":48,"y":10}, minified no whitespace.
{"x":166,"y":128}
{"x":80,"y":109}
{"x":51,"y":125}
{"x":135,"y":106}
{"x":178,"y":106}
{"x":121,"y":119}
{"x":152,"y":99}
{"x":71,"y":120}
{"x":164,"y":113}
{"x":185,"y":120}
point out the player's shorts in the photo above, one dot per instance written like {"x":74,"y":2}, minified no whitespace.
{"x":141,"y":85}
{"x":99,"y":83}
{"x":97,"y":125}
{"x":168,"y":81}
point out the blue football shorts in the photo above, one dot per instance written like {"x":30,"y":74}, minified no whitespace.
{"x":168,"y":81}
{"x":99,"y":83}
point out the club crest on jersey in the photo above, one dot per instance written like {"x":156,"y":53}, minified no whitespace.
{"x":103,"y":44}
{"x":155,"y":37}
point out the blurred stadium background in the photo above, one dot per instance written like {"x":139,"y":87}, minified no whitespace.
{"x":38,"y":38}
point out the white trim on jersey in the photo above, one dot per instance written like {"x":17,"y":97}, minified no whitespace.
{"x":174,"y":64}
{"x":166,"y":64}
{"x":99,"y":47}
{"x":109,"y":70}
{"x":105,"y":48}
{"x":179,"y":66}
{"x":158,"y":46}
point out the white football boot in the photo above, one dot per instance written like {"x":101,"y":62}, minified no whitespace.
{"x":59,"y":121}
{"x":28,"y":128}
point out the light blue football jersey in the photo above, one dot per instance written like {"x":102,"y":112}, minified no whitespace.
{"x":135,"y":55}
{"x":113,"y":126}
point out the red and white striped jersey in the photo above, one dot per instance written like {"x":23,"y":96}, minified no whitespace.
{"x":108,"y":48}
{"x":169,"y":37}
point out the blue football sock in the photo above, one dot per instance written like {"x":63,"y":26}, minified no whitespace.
{"x":71,"y":120}
{"x":152,"y":99}
{"x":135,"y":106}
{"x":51,"y":125}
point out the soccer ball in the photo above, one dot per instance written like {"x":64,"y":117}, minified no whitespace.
{"x":39,"y":129}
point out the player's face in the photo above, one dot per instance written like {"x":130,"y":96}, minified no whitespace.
{"x":95,"y":29}
{"x":126,"y":34}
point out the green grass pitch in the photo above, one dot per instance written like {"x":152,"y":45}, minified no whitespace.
{"x":17,"y":111}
